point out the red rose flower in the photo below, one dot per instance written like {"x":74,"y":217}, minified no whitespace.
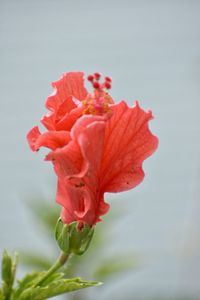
{"x":97,"y":146}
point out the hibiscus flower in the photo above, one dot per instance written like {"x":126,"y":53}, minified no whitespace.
{"x":97,"y":145}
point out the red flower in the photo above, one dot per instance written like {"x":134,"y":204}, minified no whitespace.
{"x":97,"y":146}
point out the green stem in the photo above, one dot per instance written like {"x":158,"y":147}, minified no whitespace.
{"x":59,"y":263}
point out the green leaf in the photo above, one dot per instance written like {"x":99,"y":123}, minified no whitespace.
{"x":14,"y":266}
{"x":56,"y":288}
{"x":6,"y":272}
{"x":53,"y":277}
{"x":25,"y":283}
{"x":114,"y":266}
{"x":1,"y":295}
{"x":30,"y":279}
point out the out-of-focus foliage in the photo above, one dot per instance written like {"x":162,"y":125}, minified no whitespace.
{"x":92,"y":263}
{"x":36,"y":285}
{"x":108,"y":266}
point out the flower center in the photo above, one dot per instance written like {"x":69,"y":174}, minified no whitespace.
{"x":97,"y":103}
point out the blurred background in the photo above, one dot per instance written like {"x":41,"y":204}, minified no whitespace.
{"x":151,"y":49}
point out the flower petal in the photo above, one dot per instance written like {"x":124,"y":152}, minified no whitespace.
{"x":77,"y":166}
{"x":70,"y":84}
{"x":89,"y":132}
{"x":79,"y":204}
{"x":128,"y":141}
{"x":53,"y":139}
{"x":68,"y":161}
{"x":32,"y":137}
{"x":49,"y":139}
{"x":76,"y":202}
{"x":69,"y":119}
{"x":65,"y":116}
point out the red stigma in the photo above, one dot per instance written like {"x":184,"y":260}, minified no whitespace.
{"x":108,"y":79}
{"x":97,"y":75}
{"x":107,"y":85}
{"x":96,"y":85}
{"x":90,"y":77}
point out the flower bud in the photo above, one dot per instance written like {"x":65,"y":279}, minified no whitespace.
{"x":73,"y":238}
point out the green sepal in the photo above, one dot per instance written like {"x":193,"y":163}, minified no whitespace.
{"x":71,"y":239}
{"x":80,"y":238}
{"x":56,"y":288}
{"x":62,"y":236}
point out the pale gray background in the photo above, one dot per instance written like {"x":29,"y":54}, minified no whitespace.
{"x":152,"y":51}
